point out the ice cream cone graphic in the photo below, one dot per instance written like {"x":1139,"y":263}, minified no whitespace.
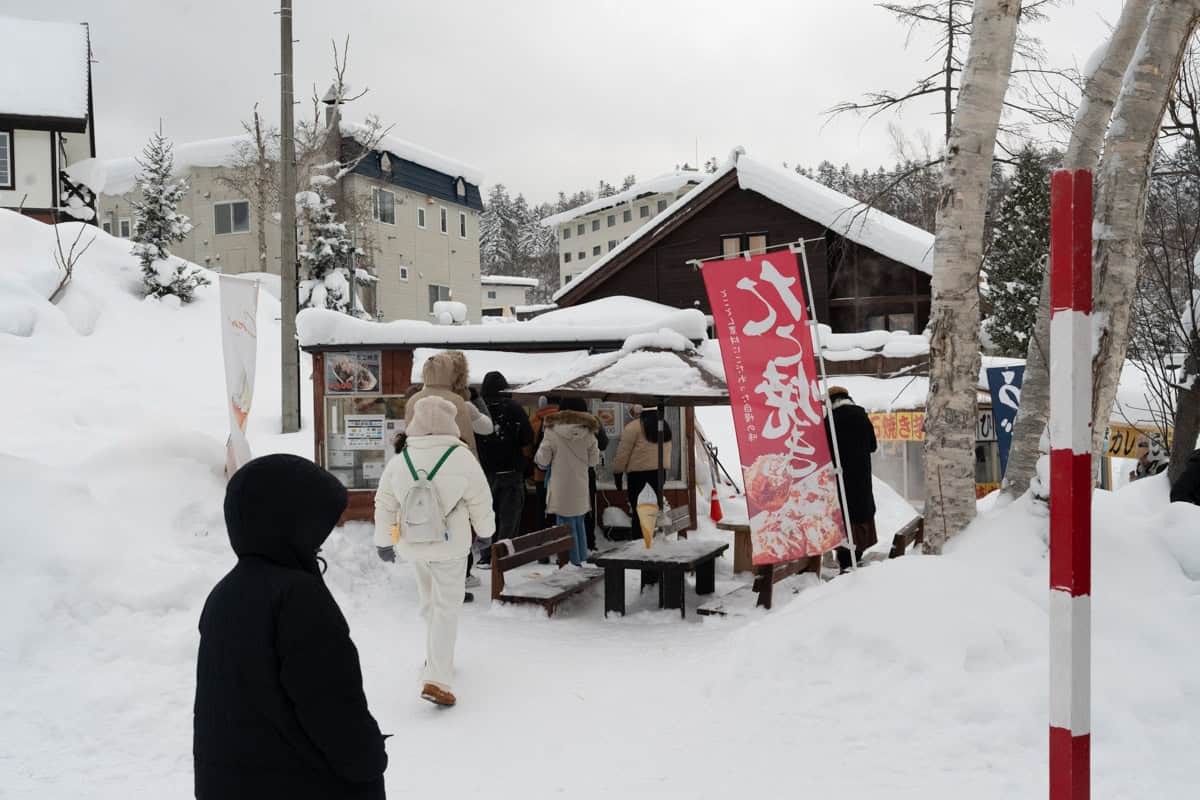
{"x":647,"y":511}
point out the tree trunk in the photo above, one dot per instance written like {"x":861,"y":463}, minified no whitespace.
{"x":1121,"y":204}
{"x":1187,"y":419}
{"x":958,"y":253}
{"x":261,"y":191}
{"x":1083,"y":152}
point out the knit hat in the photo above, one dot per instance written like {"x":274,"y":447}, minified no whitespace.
{"x":433,"y":415}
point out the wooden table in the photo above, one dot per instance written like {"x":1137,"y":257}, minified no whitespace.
{"x":743,"y":547}
{"x":667,"y":561}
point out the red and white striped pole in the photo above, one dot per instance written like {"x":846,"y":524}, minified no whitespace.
{"x":1070,"y":483}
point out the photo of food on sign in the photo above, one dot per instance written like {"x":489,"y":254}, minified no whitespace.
{"x":794,"y":519}
{"x":352,"y":372}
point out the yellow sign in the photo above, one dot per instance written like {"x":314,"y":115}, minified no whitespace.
{"x":1122,"y":441}
{"x":899,"y":426}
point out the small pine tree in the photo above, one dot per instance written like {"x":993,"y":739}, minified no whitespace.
{"x":325,"y":252}
{"x":158,"y":225}
{"x":1016,"y":260}
{"x":497,"y":232}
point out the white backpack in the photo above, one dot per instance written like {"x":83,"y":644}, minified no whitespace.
{"x":422,"y":520}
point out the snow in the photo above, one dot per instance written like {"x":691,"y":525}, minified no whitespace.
{"x":669,"y":182}
{"x":518,"y":368}
{"x":413,"y":152}
{"x":507,"y":280}
{"x":119,"y":175}
{"x":113,"y":534}
{"x":45,"y":68}
{"x":609,"y":319}
{"x":840,"y":213}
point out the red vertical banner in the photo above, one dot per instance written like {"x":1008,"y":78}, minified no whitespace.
{"x":762,"y":325}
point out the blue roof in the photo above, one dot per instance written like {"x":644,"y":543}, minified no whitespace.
{"x":418,"y":178}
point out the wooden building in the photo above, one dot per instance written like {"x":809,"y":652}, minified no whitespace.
{"x":869,"y":271}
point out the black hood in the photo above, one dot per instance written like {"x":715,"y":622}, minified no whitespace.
{"x":282,"y":508}
{"x":493,"y":384}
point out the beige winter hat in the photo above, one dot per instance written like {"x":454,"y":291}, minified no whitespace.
{"x":433,"y":415}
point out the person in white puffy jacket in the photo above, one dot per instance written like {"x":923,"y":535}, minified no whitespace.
{"x":466,"y":500}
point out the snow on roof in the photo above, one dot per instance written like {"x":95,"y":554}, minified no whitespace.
{"x":517,"y":368}
{"x":610,"y":319}
{"x":508,"y":280}
{"x":667,"y":182}
{"x":534,"y":308}
{"x":44,"y":67}
{"x":840,"y":213}
{"x":415,"y":152}
{"x":119,"y":175}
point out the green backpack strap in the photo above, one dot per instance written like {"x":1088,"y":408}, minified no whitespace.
{"x":438,"y":465}
{"x":408,"y":461}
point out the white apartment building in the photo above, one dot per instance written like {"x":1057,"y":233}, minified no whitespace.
{"x":502,"y":294}
{"x":587,"y":232}
{"x":420,"y":229}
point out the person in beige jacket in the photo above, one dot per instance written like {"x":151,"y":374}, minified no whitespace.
{"x":445,"y":375}
{"x":637,"y":455}
{"x":466,"y":501}
{"x":567,"y":450}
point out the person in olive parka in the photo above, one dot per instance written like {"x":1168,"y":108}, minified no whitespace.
{"x":280,"y":709}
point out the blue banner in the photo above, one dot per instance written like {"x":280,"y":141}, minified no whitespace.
{"x":1005,"y":385}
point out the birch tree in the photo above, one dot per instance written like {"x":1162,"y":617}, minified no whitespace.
{"x":1120,"y":206}
{"x":1083,"y":152}
{"x":254,"y":174}
{"x":958,"y":251}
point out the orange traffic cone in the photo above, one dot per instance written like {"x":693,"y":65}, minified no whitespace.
{"x":714,"y":510}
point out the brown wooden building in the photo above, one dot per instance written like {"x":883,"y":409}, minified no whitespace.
{"x":869,"y":271}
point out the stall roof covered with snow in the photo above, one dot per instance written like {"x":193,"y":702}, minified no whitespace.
{"x":869,"y":270}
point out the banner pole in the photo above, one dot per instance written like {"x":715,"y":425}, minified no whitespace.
{"x":837,"y":456}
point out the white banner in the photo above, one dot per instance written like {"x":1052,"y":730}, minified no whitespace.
{"x":239,"y":341}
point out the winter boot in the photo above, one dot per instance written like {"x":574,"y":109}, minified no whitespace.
{"x":437,"y":695}
{"x":468,"y":597}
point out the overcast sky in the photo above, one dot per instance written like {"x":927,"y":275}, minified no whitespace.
{"x":541,"y":95}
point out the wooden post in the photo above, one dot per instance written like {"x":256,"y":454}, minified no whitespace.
{"x":1070,"y":483}
{"x":290,"y":357}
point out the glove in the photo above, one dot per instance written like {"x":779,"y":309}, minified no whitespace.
{"x":387,"y":554}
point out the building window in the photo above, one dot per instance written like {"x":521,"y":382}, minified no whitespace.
{"x":581,"y":255}
{"x":568,"y":278}
{"x":756,"y":243}
{"x":445,"y":220}
{"x":627,"y":215}
{"x":106,"y":226}
{"x":491,"y":295}
{"x":643,"y":212}
{"x":404,"y":273}
{"x":566,"y":258}
{"x":566,"y":233}
{"x":731,"y":246}
{"x":596,"y":250}
{"x":436,"y":294}
{"x":612,"y":220}
{"x":125,"y":227}
{"x":612,"y":243}
{"x":891,"y":322}
{"x":662,"y":205}
{"x":595,"y":225}
{"x":6,"y":160}
{"x":420,"y":218}
{"x":231,"y":217}
{"x":579,"y":229}
{"x":462,"y":225}
{"x":383,"y":206}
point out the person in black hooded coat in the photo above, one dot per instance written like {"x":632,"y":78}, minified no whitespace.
{"x":855,"y":443}
{"x":280,"y":709}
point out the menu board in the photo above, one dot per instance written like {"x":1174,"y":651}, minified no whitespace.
{"x":364,"y":431}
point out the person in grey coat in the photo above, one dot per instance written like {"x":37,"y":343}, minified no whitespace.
{"x":567,"y":450}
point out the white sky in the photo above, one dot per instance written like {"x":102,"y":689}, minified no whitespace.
{"x":541,"y":95}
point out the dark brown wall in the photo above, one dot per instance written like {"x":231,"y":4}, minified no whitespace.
{"x":865,"y":282}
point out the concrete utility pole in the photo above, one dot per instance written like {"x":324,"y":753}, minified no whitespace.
{"x":289,"y":290}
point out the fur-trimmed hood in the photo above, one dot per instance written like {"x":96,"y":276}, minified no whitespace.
{"x":447,"y":370}
{"x":583,"y":419}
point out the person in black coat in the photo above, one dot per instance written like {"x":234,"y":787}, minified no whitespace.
{"x":280,"y":709}
{"x":1186,"y":488}
{"x":855,"y":443}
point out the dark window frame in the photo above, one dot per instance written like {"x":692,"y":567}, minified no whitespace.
{"x":11,"y":159}
{"x":233,"y":230}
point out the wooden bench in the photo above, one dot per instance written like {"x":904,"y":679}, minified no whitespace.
{"x":547,"y":591}
{"x":910,"y":534}
{"x":766,"y":576}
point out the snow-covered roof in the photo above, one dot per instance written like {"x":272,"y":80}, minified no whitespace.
{"x":119,"y":175}
{"x":667,"y":182}
{"x":840,"y":213}
{"x":508,"y":280}
{"x":415,"y":152}
{"x":44,"y":67}
{"x":517,"y":368}
{"x":609,"y":320}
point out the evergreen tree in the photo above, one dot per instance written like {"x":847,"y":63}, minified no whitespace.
{"x":158,"y":225}
{"x":605,"y":189}
{"x":629,"y":182}
{"x":1016,"y":260}
{"x":325,"y":252}
{"x":497,"y":233}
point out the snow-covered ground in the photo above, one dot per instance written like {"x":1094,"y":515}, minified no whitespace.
{"x":915,"y":678}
